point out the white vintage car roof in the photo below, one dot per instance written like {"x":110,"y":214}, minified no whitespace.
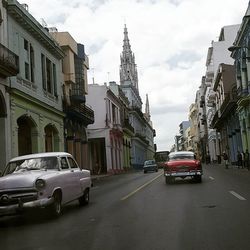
{"x":38,"y":155}
{"x":182,"y":152}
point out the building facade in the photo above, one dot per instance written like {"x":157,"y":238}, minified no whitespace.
{"x":226,"y":120}
{"x":36,"y":115}
{"x":75,"y":88}
{"x":128,"y":130}
{"x":241,"y":53}
{"x":9,"y":67}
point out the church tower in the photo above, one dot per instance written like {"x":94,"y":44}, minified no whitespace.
{"x":142,"y":140}
{"x":128,"y":73}
{"x":147,"y":111}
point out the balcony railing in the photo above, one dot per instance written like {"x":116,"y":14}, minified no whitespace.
{"x":80,"y":112}
{"x":242,"y":92}
{"x":142,"y":137}
{"x":9,"y":62}
{"x":127,"y":125}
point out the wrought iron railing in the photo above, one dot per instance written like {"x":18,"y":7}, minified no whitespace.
{"x":9,"y":62}
{"x":82,"y":112}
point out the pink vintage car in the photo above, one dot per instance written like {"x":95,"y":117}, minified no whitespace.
{"x":45,"y":180}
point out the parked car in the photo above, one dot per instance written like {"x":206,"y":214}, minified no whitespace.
{"x":45,"y":180}
{"x":182,"y":164}
{"x":150,"y":165}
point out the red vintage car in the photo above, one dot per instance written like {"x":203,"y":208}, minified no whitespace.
{"x":182,"y":164}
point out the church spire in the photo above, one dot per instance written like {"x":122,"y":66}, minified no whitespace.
{"x":128,"y":68}
{"x":147,"y":111}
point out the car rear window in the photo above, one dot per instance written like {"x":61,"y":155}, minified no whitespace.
{"x":149,"y":162}
{"x":174,"y":157}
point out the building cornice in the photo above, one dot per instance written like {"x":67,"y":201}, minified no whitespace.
{"x":29,"y":23}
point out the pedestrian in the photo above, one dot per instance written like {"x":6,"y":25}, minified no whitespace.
{"x":225,"y":158}
{"x":246,"y":159}
{"x":243,"y":159}
{"x":239,"y":160}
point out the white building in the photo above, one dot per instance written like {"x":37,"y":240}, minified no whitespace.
{"x":105,"y":134}
{"x":218,"y":53}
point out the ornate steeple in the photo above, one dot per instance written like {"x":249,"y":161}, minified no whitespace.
{"x":147,"y":111}
{"x":128,"y":69}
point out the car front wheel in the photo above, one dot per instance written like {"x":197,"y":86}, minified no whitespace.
{"x":84,"y":199}
{"x":56,"y":206}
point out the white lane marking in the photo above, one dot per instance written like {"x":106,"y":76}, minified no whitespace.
{"x":210,"y":177}
{"x":139,"y":188}
{"x":237,"y":195}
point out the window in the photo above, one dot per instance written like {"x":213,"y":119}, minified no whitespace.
{"x":1,"y":18}
{"x":29,"y":61}
{"x":27,"y":72}
{"x":72,"y":163}
{"x":54,"y":80}
{"x":49,"y":75}
{"x":64,"y":163}
{"x":32,"y":63}
{"x":26,"y":44}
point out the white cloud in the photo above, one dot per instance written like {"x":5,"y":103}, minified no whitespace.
{"x":169,"y":38}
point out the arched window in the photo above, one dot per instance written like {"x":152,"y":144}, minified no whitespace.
{"x":26,"y":129}
{"x":51,"y":138}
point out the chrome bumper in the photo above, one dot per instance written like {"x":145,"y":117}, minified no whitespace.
{"x":12,"y":209}
{"x":182,"y":174}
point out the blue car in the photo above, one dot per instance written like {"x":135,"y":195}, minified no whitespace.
{"x":150,"y":165}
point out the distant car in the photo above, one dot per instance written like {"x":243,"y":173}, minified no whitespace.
{"x":45,"y":180}
{"x":150,"y":165}
{"x":182,"y":164}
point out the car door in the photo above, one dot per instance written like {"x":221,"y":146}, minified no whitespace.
{"x":66,"y":181}
{"x":77,"y":176}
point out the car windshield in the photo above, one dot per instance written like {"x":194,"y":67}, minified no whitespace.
{"x":174,"y":157}
{"x":43,"y":163}
{"x":149,"y":162}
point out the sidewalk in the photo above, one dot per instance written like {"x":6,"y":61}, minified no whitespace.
{"x":230,"y":166}
{"x":97,"y":177}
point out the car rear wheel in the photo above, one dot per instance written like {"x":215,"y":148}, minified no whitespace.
{"x":84,"y":199}
{"x":168,"y":179}
{"x":198,"y":178}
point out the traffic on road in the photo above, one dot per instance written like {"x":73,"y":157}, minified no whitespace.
{"x":139,"y":211}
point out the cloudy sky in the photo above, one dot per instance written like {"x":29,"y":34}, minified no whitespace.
{"x":169,"y":38}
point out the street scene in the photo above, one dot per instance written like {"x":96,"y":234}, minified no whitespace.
{"x":124,"y":124}
{"x":139,"y":211}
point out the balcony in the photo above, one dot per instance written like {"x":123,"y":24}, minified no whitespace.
{"x":227,"y":105}
{"x":203,"y":119}
{"x":142,"y":138}
{"x":127,"y":126}
{"x":138,"y":111}
{"x":9,"y":62}
{"x":78,"y":94}
{"x":80,"y":112}
{"x":242,"y":92}
{"x":214,"y":120}
{"x":202,"y":101}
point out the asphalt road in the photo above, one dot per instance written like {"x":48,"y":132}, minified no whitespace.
{"x":139,"y":211}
